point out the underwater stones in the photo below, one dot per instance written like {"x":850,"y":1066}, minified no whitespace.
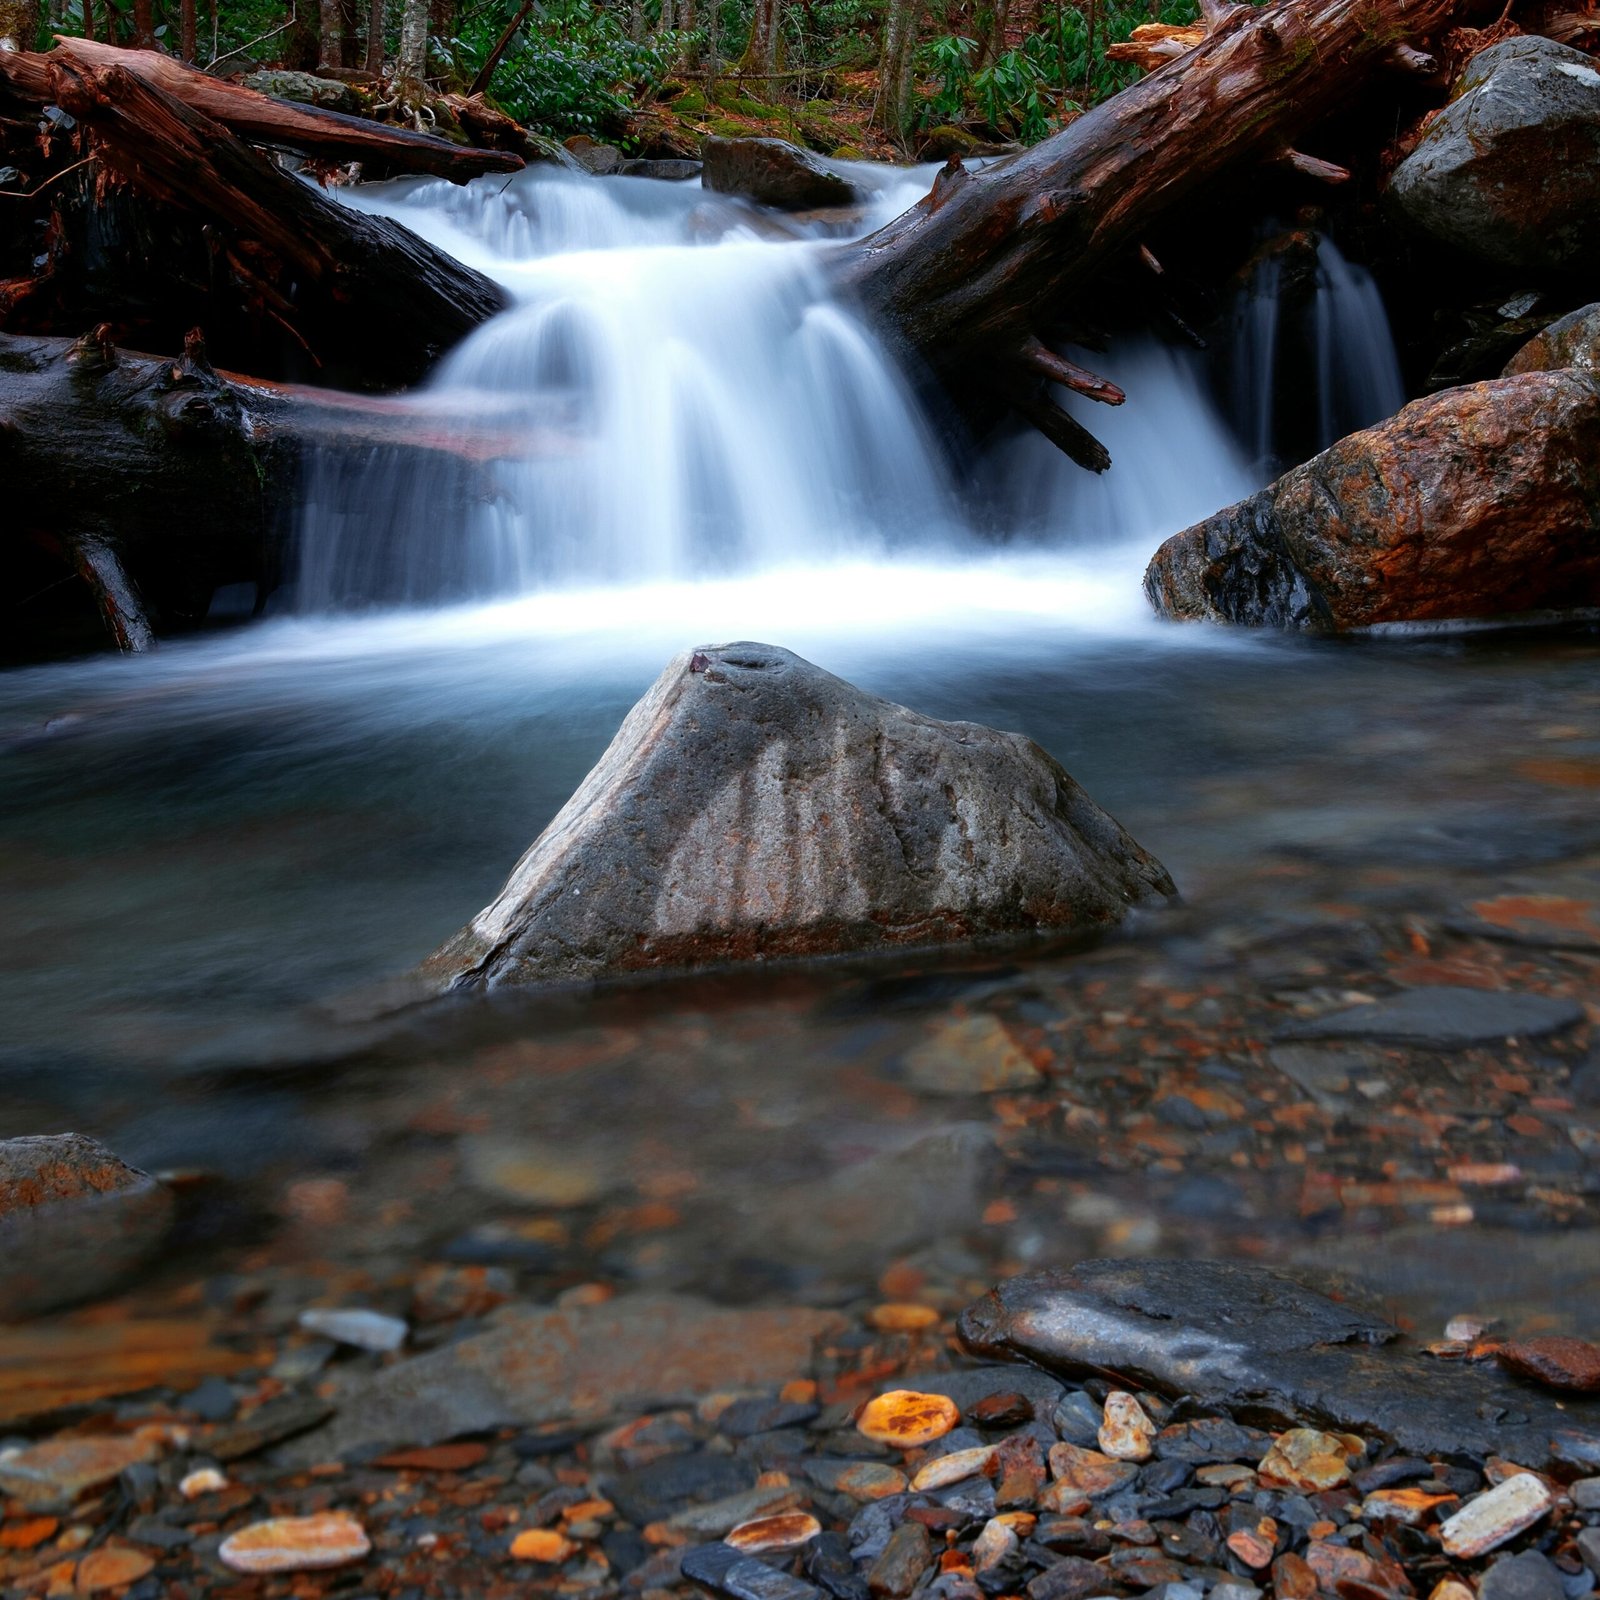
{"x":1253,"y":1341}
{"x":773,"y":172}
{"x":1509,"y":171}
{"x":1480,"y":501}
{"x":1446,"y":1018}
{"x":753,"y":806}
{"x":296,"y":1544}
{"x":74,"y":1221}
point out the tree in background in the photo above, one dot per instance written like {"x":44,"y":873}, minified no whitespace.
{"x":19,"y":24}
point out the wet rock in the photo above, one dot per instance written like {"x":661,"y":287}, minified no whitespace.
{"x":1501,"y":1513}
{"x":717,"y":1518}
{"x":1573,"y":341}
{"x":664,"y":1488}
{"x":296,"y":1544}
{"x":1556,"y":1361}
{"x":1307,"y":1460}
{"x":111,"y":1567}
{"x":1588,"y":1542}
{"x":304,"y":87}
{"x":1090,"y":1472}
{"x":268,"y":1425}
{"x":721,"y":1570}
{"x":1527,"y":1576}
{"x":1251,"y":1340}
{"x":1447,"y":1019}
{"x":362,"y":1330}
{"x":1586,"y":1494}
{"x":1509,"y":171}
{"x":773,"y":172}
{"x":75,"y":1221}
{"x":785,"y":1531}
{"x":754,"y":806}
{"x":860,"y":1480}
{"x":1480,"y":501}
{"x":905,"y":1558}
{"x":636,"y":1353}
{"x":57,"y":1471}
{"x":969,"y":1055}
{"x":907,"y":1419}
{"x":600,"y":159}
{"x":544,"y":1545}
{"x":745,"y":1418}
{"x":1070,"y":1578}
{"x":671,"y":169}
{"x":1127,"y":1433}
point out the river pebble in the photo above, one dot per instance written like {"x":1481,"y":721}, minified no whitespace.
{"x":365,"y":1330}
{"x":1126,"y":1433}
{"x":1500,"y":1514}
{"x":296,"y":1544}
{"x":907,"y":1419}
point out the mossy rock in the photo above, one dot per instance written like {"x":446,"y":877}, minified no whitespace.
{"x":944,"y":141}
{"x":724,"y":129}
{"x":691,"y":103}
{"x":850,"y":152}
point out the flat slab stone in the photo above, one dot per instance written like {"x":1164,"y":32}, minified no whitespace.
{"x":1270,"y":1351}
{"x":636,"y":1354}
{"x":753,"y":806}
{"x":1446,"y":1019}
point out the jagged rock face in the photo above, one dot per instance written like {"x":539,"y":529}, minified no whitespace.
{"x":1574,"y":341}
{"x":773,"y":172}
{"x":1510,"y":169}
{"x":753,"y":805}
{"x":1480,"y":501}
{"x":74,"y":1221}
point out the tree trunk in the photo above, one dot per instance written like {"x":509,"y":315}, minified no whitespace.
{"x":989,"y":265}
{"x":187,"y":46}
{"x":375,"y":39}
{"x":330,"y":36}
{"x":144,"y":24}
{"x":411,"y":60}
{"x":760,"y":57}
{"x":363,"y":296}
{"x":19,"y":24}
{"x":894,"y":66}
{"x":285,"y":124}
{"x":159,"y":481}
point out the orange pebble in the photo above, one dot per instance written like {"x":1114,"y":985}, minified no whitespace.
{"x":906,"y":1419}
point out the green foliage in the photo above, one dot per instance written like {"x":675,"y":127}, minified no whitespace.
{"x":572,"y":68}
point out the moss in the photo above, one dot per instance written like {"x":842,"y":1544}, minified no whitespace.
{"x":691,"y":103}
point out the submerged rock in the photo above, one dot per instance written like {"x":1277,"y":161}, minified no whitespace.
{"x":1446,"y":1018}
{"x":1573,"y":341}
{"x":773,"y":172}
{"x":1481,"y":501}
{"x":644,"y":1352}
{"x":1510,"y":169}
{"x":753,"y":806}
{"x":1269,"y":1350}
{"x":74,"y":1221}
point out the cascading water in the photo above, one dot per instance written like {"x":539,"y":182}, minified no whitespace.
{"x":1313,"y":358}
{"x":674,"y":396}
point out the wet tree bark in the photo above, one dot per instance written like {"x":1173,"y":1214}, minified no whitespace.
{"x":976,"y":278}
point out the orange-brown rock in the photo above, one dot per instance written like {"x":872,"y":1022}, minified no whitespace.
{"x":1556,"y":1361}
{"x":906,"y":1418}
{"x":1573,"y":341}
{"x":74,"y":1221}
{"x":1480,"y":501}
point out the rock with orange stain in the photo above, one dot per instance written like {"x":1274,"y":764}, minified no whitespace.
{"x":1479,"y":501}
{"x":1539,"y":919}
{"x":111,"y":1567}
{"x":1089,"y":1472}
{"x":906,"y":1418}
{"x":1127,"y":1433}
{"x":29,"y":1533}
{"x":786,"y":1531}
{"x":942,"y":1471}
{"x":1307,"y":1460}
{"x":1557,"y":1361}
{"x":57,"y":1471}
{"x":543,"y":1545}
{"x":969,"y":1055}
{"x":899,"y":1317}
{"x":1413,"y":1507}
{"x":296,"y":1544}
{"x":1488,"y":1520}
{"x":74,"y":1221}
{"x":1255,"y":1546}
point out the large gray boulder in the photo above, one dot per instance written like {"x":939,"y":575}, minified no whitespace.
{"x":753,"y":806}
{"x":1510,"y":169}
{"x":773,"y":172}
{"x":75,"y":1221}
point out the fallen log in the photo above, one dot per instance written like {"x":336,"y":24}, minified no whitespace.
{"x":992,"y":261}
{"x":158,"y":481}
{"x":368,"y":302}
{"x":262,"y":119}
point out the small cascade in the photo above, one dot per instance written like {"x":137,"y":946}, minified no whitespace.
{"x":1313,"y":358}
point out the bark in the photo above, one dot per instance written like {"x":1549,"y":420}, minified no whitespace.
{"x":989,"y":263}
{"x":261,"y":119}
{"x":144,"y":24}
{"x":411,"y":60}
{"x":19,"y":24}
{"x":502,"y":44}
{"x":330,"y":36}
{"x":186,"y":31}
{"x":374,"y":62}
{"x":365,"y":298}
{"x":160,"y":480}
{"x":760,"y":59}
{"x":894,"y":66}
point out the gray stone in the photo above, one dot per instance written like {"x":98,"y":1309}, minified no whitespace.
{"x":973,"y":1384}
{"x":304,"y":87}
{"x":671,"y":1485}
{"x":600,"y":159}
{"x":1528,"y":1576}
{"x":721,"y":1570}
{"x":1246,"y":1339}
{"x":1510,"y":170}
{"x":634,"y":1354}
{"x":773,"y":172}
{"x":1586,"y":1494}
{"x":1446,"y":1019}
{"x":668,"y":170}
{"x":754,"y":806}
{"x":1573,"y":341}
{"x":75,"y":1221}
{"x":1589,"y":1548}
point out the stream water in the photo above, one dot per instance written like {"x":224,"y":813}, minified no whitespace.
{"x":209,"y":856}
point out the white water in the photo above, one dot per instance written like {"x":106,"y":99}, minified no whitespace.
{"x":675,"y":398}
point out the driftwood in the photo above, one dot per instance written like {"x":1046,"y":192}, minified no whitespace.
{"x":975,"y":278}
{"x":158,"y":481}
{"x":367,"y":301}
{"x":262,"y":119}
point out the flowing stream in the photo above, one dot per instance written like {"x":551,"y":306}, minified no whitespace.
{"x":204,"y":854}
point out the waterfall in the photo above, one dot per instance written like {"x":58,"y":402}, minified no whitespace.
{"x":1312,"y":357}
